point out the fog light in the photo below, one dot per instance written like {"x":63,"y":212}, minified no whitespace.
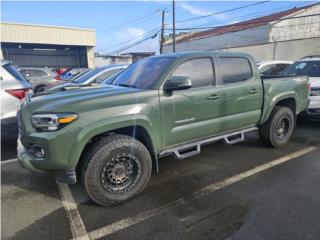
{"x":36,"y":151}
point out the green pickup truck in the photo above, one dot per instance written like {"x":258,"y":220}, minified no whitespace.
{"x":110,"y":138}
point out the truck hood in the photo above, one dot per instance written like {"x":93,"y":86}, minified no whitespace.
{"x":81,"y":99}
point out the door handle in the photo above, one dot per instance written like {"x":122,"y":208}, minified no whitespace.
{"x":213,"y":97}
{"x":253,"y":91}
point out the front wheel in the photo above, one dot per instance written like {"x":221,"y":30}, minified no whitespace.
{"x":277,"y":131}
{"x":118,"y":168}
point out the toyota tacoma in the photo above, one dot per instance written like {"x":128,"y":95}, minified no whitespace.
{"x":110,"y":138}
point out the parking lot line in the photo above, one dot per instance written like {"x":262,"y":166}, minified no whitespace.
{"x":78,"y":229}
{"x":8,"y":161}
{"x":128,"y":222}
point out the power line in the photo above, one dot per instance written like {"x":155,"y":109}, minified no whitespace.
{"x":136,"y":43}
{"x":261,"y":13}
{"x":248,"y":23}
{"x":130,"y":40}
{"x":225,"y":11}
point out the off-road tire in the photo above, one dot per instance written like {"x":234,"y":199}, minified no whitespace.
{"x":268,"y":131}
{"x":100,"y":154}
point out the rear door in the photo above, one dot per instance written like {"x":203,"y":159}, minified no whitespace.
{"x":194,"y":113}
{"x":242,"y":92}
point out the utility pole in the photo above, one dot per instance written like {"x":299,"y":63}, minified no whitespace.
{"x":162,"y":32}
{"x":173,"y":26}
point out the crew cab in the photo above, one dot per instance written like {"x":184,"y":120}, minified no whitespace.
{"x":109,"y":138}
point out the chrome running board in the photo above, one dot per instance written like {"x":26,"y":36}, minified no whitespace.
{"x":194,"y":148}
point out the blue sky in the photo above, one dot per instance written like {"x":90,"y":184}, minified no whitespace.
{"x":106,"y":16}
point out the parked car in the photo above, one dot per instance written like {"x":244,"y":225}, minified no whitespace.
{"x":112,"y":136}
{"x":309,"y":66}
{"x":14,"y":88}
{"x":94,"y":76}
{"x":71,"y":73}
{"x":39,"y":77}
{"x":273,"y":68}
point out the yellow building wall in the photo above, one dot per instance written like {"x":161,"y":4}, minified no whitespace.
{"x":43,"y":34}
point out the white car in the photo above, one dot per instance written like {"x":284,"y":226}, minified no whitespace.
{"x":309,"y":66}
{"x":14,"y":88}
{"x":273,"y":68}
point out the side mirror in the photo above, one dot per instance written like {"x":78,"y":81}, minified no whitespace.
{"x":178,"y":83}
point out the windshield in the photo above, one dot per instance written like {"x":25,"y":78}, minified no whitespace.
{"x":309,"y":68}
{"x":111,"y":79}
{"x":144,"y":73}
{"x":87,"y":75}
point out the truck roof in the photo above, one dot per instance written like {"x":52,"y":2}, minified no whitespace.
{"x":200,"y":53}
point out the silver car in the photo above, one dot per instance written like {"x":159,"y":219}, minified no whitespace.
{"x":94,"y":76}
{"x":39,"y":77}
{"x":309,"y":66}
{"x":14,"y":88}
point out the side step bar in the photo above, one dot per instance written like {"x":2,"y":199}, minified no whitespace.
{"x":194,"y":148}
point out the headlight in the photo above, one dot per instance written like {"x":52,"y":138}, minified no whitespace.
{"x":52,"y":122}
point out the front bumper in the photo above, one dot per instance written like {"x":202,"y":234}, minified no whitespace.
{"x":25,"y":159}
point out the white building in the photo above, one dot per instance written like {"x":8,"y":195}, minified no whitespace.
{"x":283,"y":35}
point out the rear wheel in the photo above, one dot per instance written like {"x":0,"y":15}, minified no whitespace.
{"x":277,"y":131}
{"x":118,"y":168}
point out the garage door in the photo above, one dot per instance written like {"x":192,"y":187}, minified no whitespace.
{"x":27,"y":55}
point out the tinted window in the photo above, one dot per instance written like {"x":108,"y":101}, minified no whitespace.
{"x":144,"y":73}
{"x":88,"y":75}
{"x":199,"y":71}
{"x":37,"y":73}
{"x":309,"y":68}
{"x":13,"y":71}
{"x":105,"y":75}
{"x":273,"y":69}
{"x":111,"y":79}
{"x":235,"y":70}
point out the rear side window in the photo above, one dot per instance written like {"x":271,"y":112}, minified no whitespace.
{"x":199,"y":71}
{"x":235,"y":69}
{"x":273,"y":69}
{"x":105,"y":75}
{"x":33,"y":73}
{"x":37,"y":73}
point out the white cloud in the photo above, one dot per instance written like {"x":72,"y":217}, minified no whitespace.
{"x":151,"y":45}
{"x":194,"y":10}
{"x":129,"y":33}
{"x":197,"y":11}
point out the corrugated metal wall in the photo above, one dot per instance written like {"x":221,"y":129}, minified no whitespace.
{"x":29,"y":56}
{"x":285,"y":50}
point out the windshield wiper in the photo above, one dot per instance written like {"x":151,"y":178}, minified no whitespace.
{"x":126,"y":85}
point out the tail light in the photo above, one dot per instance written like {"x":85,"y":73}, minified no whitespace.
{"x":57,"y":78}
{"x":309,"y":88}
{"x":18,"y":93}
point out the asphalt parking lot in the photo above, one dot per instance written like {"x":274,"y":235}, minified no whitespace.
{"x":243,"y":191}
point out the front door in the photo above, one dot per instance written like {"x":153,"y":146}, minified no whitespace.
{"x":194,"y":113}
